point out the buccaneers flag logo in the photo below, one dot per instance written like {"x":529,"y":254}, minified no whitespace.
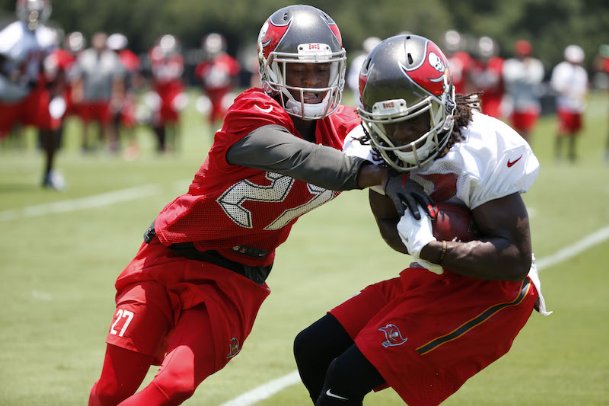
{"x":431,"y":73}
{"x":269,"y":37}
{"x":393,"y":336}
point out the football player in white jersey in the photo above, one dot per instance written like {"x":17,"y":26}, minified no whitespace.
{"x":570,"y":82}
{"x":25,"y":97}
{"x":459,"y":305}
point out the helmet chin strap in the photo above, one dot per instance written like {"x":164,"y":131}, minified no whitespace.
{"x":307,"y":111}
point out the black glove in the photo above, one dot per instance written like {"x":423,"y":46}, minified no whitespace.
{"x":408,"y":194}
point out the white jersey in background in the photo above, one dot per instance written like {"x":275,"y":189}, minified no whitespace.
{"x":522,"y":78}
{"x":492,"y":162}
{"x":98,"y":71}
{"x":571,"y":83}
{"x":24,"y":52}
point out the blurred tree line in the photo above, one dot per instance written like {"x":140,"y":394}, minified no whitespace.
{"x":549,"y":24}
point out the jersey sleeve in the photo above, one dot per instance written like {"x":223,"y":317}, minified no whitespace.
{"x":505,"y":166}
{"x":354,"y":146}
{"x":250,"y":111}
{"x":272,"y":148}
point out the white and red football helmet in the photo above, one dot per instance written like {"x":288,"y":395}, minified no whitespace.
{"x":213,"y":44}
{"x":75,"y":42}
{"x":301,"y":34}
{"x":405,"y":76}
{"x":33,"y":12}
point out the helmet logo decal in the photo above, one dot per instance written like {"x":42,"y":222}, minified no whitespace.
{"x":269,"y":37}
{"x":393,"y":336}
{"x":431,"y":73}
{"x":363,"y":75}
{"x":436,"y":62}
{"x":333,"y":27}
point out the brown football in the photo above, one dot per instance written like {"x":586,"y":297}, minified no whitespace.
{"x":454,"y":221}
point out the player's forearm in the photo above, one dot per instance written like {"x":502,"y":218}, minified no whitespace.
{"x":272,"y":148}
{"x":371,"y":175}
{"x":490,"y":259}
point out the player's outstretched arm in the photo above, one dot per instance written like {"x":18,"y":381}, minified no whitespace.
{"x":273,"y":148}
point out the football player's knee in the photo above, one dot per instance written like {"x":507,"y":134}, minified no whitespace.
{"x":304,"y":348}
{"x":178,"y":387}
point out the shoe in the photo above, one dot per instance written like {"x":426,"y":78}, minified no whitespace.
{"x":54,"y":180}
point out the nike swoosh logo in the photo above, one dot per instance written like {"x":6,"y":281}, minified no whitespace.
{"x":267,"y":110}
{"x":335,"y":396}
{"x":511,"y":163}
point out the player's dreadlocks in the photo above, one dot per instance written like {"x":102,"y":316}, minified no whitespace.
{"x":462,"y":116}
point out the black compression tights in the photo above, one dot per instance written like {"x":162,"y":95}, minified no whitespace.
{"x":331,"y":367}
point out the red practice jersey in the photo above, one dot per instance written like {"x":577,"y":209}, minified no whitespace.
{"x":245,"y":213}
{"x":218,"y":73}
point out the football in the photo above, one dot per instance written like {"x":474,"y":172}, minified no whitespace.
{"x":453,"y":221}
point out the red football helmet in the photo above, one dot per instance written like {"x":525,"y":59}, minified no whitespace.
{"x":405,"y":76}
{"x":301,"y":34}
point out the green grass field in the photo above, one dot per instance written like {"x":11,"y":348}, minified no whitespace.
{"x":60,"y":254}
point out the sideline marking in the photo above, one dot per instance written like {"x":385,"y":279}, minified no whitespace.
{"x":572,"y":250}
{"x":268,"y":389}
{"x":104,"y":199}
{"x":265,"y":391}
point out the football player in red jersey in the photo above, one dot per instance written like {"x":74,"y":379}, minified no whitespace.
{"x":460,"y":305}
{"x":218,"y":74}
{"x":189,"y":298}
{"x":486,"y":76}
{"x":167,"y":69}
{"x":27,"y":89}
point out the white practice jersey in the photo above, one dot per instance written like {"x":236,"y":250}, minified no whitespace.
{"x":24,"y":51}
{"x":98,"y":71}
{"x":571,"y":85}
{"x":522,"y":80}
{"x":492,"y":162}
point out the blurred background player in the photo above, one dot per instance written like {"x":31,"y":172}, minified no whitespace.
{"x":523,"y":76}
{"x":169,"y":99}
{"x":26,"y":92}
{"x":218,"y":73}
{"x":486,"y":76}
{"x":98,"y":87}
{"x":459,"y":60}
{"x":570,"y":82}
{"x":123,"y":113}
{"x":356,"y":63}
{"x":59,"y":67}
{"x":63,"y":60}
{"x":601,"y":66}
